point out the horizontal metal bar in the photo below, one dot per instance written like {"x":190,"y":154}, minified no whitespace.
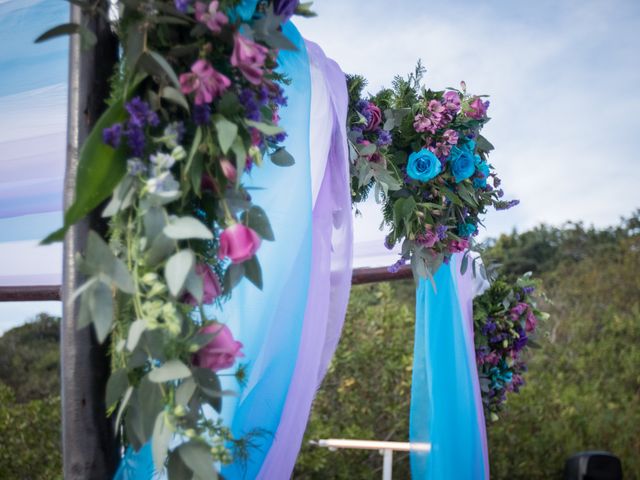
{"x":372,"y":445}
{"x":33,"y":293}
{"x":43,"y":293}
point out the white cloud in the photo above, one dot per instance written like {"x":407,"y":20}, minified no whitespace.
{"x":561,"y":82}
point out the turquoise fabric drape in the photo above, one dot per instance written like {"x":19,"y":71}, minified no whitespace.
{"x":443,"y":391}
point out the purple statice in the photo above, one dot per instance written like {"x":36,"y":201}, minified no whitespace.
{"x":140,"y":113}
{"x":251,"y":106}
{"x":441,"y":231}
{"x":263,"y":95}
{"x":388,"y":244}
{"x":363,"y":107}
{"x":112,"y":135}
{"x":529,"y":290}
{"x":500,"y":193}
{"x":182,"y":5}
{"x":384,"y":138}
{"x":395,"y":268}
{"x":280,"y":98}
{"x":135,"y":139}
{"x":506,"y":205}
{"x":489,"y":327}
{"x":201,"y":114}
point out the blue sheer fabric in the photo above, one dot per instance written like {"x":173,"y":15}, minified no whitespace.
{"x":269,"y":321}
{"x":443,"y":408}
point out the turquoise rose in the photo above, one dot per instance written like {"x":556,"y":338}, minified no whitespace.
{"x":423,"y":165}
{"x":463,"y":161}
{"x":466,"y":229}
{"x":482,"y":173}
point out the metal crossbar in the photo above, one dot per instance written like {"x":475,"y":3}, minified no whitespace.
{"x":386,"y":449}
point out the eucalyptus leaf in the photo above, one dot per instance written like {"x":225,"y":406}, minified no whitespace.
{"x":88,"y":39}
{"x":177,"y":270}
{"x":195,"y":286}
{"x":282,"y":158}
{"x":185,"y":391}
{"x":136,"y":330}
{"x":162,"y":434}
{"x":176,"y":96}
{"x":227,"y":132}
{"x":197,"y":456}
{"x":123,"y":404}
{"x":182,"y":228}
{"x":101,"y":308}
{"x":240,"y":152}
{"x":122,"y":197}
{"x":155,"y":64}
{"x":161,"y":248}
{"x":171,"y":370}
{"x":177,"y":469}
{"x":154,"y":219}
{"x":208,"y":382}
{"x":100,"y":259}
{"x":116,"y":386}
{"x":265,"y":128}
{"x":233,"y":276}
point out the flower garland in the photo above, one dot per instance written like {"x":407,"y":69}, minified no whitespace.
{"x":194,"y":105}
{"x":435,"y":181}
{"x":505,"y":322}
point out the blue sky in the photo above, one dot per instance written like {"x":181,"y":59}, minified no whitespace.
{"x":563,"y":77}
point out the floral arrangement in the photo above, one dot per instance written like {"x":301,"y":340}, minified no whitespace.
{"x":442,"y":181}
{"x":194,"y":105}
{"x":505,"y":321}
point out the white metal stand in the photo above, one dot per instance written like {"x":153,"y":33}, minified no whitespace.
{"x":386,"y":449}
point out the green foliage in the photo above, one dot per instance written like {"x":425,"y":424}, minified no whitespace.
{"x":30,"y":402}
{"x":366,"y":392}
{"x":582,"y":389}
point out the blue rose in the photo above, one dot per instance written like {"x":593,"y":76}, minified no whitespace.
{"x":482,"y":173}
{"x":244,"y":11}
{"x":466,"y":229}
{"x":423,"y":165}
{"x":463,"y":161}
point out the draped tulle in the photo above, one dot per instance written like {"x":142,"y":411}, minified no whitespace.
{"x":269,"y":321}
{"x":445,"y":390}
{"x":331,"y":261}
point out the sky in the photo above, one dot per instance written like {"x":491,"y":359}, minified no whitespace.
{"x":563,"y":80}
{"x":562,"y":76}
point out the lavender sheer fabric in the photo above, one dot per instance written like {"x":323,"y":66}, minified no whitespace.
{"x":330,"y":268}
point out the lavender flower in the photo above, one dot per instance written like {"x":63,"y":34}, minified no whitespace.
{"x":201,"y":114}
{"x":384,"y":138}
{"x":182,"y":5}
{"x":112,"y":135}
{"x":506,"y":205}
{"x":252,"y":108}
{"x":395,"y":268}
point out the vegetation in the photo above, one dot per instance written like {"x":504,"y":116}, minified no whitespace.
{"x":582,"y":392}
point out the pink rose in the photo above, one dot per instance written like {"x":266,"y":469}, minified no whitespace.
{"x":478,"y":109}
{"x":205,"y":81}
{"x":228,"y":170}
{"x":221,"y":352}
{"x":210,"y":286}
{"x":376,"y":117}
{"x":249,"y":57}
{"x":457,"y":246}
{"x":239,"y":243}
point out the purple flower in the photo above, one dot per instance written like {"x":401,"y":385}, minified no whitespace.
{"x":384,"y":138}
{"x":506,"y":205}
{"x":112,"y":135}
{"x":249,"y":58}
{"x":285,"y":8}
{"x":451,"y":101}
{"x":441,"y":231}
{"x":140,"y":113}
{"x":395,"y":268}
{"x":210,"y":16}
{"x":135,"y":138}
{"x":182,"y":5}
{"x":478,"y":109}
{"x":205,"y":81}
{"x":201,"y":114}
{"x":252,"y":108}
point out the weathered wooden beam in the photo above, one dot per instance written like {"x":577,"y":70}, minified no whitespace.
{"x":89,"y":448}
{"x":379,"y":274}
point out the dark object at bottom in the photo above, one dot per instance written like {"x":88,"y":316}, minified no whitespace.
{"x":593,"y":466}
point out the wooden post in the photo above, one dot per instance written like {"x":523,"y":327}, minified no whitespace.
{"x":89,"y":447}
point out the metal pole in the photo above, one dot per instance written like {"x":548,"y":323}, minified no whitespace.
{"x":387,"y":463}
{"x":89,"y":447}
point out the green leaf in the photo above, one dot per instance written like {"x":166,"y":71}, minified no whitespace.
{"x":101,"y":260}
{"x":233,"y":276}
{"x":182,"y":228}
{"x":122,"y":197}
{"x":135,"y":331}
{"x":253,"y":271}
{"x":282,"y":158}
{"x":155,"y":64}
{"x":185,"y":391}
{"x":116,"y":386}
{"x":197,"y":140}
{"x":176,"y":96}
{"x":240,"y":153}
{"x":154,"y":221}
{"x":195,"y":286}
{"x":483,"y":144}
{"x":368,"y":150}
{"x":101,"y":308}
{"x":176,"y":468}
{"x":87,"y":37}
{"x":208,"y":382}
{"x":123,"y":404}
{"x":227,"y":132}
{"x":100,"y":169}
{"x":265,"y":128}
{"x":171,"y":370}
{"x":197,"y":456}
{"x":464,"y":264}
{"x":162,"y":434}
{"x":256,"y":219}
{"x":177,"y":269}
{"x":161,"y":247}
